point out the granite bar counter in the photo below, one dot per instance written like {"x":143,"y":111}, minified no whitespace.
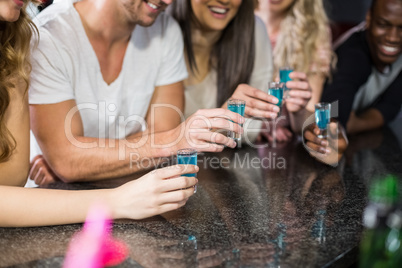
{"x":255,"y":207}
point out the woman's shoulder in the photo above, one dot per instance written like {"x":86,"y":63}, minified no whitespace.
{"x":259,"y":25}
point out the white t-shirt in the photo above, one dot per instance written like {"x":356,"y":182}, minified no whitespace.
{"x":65,"y":67}
{"x":205,"y":94}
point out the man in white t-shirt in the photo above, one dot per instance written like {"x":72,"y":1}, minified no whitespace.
{"x":106,"y":90}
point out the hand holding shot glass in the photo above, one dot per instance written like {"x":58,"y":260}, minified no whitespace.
{"x":276,"y":89}
{"x":188,"y":157}
{"x":236,"y":106}
{"x":322,"y":118}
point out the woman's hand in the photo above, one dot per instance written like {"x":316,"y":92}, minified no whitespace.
{"x":258,"y":102}
{"x":299,"y":93}
{"x":157,"y":192}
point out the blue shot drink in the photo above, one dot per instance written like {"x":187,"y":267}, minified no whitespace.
{"x":236,"y":106}
{"x":322,"y":118}
{"x":188,"y":157}
{"x":276,"y":89}
{"x":284,"y":78}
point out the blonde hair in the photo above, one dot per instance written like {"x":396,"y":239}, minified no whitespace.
{"x":304,"y":41}
{"x":14,"y":68}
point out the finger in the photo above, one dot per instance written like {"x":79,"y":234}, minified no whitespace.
{"x":260,"y":96}
{"x":178,"y":183}
{"x":260,"y":113}
{"x":214,"y":148}
{"x":314,"y":139}
{"x":35,"y":168}
{"x":298,"y":75}
{"x":220,"y":113}
{"x":217,"y":138}
{"x":171,"y":206}
{"x":296,"y":101}
{"x":200,"y":124}
{"x":175,"y":170}
{"x":263,"y":105}
{"x":220,"y":123}
{"x":318,"y":148}
{"x":34,"y":160}
{"x":319,"y":156}
{"x":39,"y":177}
{"x":300,"y":85}
{"x":47,"y":179}
{"x":299,"y":94}
{"x":176,"y":196}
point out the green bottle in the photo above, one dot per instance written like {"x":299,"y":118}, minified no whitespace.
{"x":393,"y":244}
{"x":383,"y":197}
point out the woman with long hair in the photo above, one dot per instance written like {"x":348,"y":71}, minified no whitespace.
{"x":228,"y":55}
{"x":149,"y":195}
{"x":301,"y":39}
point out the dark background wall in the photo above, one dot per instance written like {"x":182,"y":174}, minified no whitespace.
{"x":345,"y":14}
{"x":347,"y":11}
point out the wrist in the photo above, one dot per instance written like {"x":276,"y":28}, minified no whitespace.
{"x":113,"y":202}
{"x":165,"y":143}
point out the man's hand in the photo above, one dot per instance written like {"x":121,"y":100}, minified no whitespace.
{"x":206,"y":130}
{"x":40,"y":172}
{"x":330,"y":150}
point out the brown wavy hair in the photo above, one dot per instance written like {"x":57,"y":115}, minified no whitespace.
{"x":14,"y":69}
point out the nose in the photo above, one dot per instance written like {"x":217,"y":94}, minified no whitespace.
{"x":394,"y":35}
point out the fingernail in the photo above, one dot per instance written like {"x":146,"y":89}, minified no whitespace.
{"x":324,"y":143}
{"x":328,"y":150}
{"x":322,"y":150}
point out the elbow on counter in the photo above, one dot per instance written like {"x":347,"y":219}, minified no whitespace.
{"x":65,"y":171}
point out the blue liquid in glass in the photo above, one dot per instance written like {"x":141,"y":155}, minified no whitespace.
{"x":284,"y":75}
{"x":187,"y":160}
{"x":278,"y":93}
{"x":237,"y":108}
{"x":322,"y":118}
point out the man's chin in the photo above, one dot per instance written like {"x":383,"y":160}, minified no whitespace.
{"x":146,"y":23}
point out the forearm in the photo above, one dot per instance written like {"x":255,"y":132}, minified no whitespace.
{"x":92,"y":159}
{"x":297,"y":120}
{"x":55,"y":206}
{"x":368,"y":120}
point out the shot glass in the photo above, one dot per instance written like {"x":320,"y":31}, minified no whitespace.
{"x":237,"y":106}
{"x":322,"y":118}
{"x":284,"y":77}
{"x":188,"y":157}
{"x":276,"y":89}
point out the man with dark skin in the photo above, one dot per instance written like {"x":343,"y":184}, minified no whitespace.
{"x":367,"y":80}
{"x":368,"y":73}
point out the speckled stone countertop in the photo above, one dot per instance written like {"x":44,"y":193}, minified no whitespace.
{"x":267,"y":207}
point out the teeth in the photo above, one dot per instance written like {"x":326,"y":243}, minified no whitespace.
{"x":152,"y":5}
{"x":390,"y":49}
{"x":218,"y":10}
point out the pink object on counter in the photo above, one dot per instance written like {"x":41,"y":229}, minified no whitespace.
{"x":94,"y":245}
